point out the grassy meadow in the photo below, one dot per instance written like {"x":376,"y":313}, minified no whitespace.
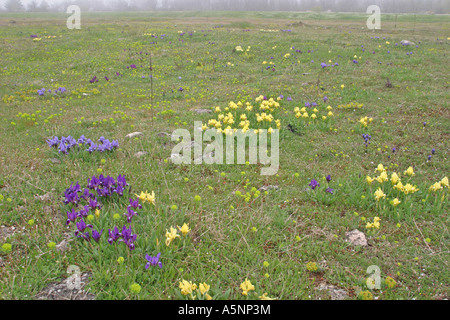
{"x":353,"y":106}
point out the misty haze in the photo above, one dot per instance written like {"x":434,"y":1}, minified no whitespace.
{"x":387,"y":6}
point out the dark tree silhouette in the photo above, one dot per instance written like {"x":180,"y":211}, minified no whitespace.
{"x":14,"y":6}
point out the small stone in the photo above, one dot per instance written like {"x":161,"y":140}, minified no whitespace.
{"x":140,"y":154}
{"x":55,"y":161}
{"x":45,"y":197}
{"x":199,"y":111}
{"x":335,"y":292}
{"x":406,"y":42}
{"x":270,"y":187}
{"x":356,"y":238}
{"x":134,"y":134}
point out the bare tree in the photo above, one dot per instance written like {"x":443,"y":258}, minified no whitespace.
{"x":32,"y":6}
{"x":14,"y":6}
{"x":43,"y":7}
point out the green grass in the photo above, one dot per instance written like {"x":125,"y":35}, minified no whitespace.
{"x":230,"y":237}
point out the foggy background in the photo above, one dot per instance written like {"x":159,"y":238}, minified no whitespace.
{"x":386,"y":6}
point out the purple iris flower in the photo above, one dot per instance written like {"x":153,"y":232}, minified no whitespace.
{"x":313,"y":184}
{"x":433,"y":151}
{"x":71,"y":197}
{"x":81,"y":226}
{"x":92,"y":147}
{"x":328,"y":178}
{"x":121,"y":181}
{"x":119,"y":190}
{"x":104,"y":192}
{"x":323,"y":65}
{"x":94,"y":204}
{"x":87,"y":195}
{"x":135,"y":204}
{"x":128,"y":237}
{"x":63,"y":148}
{"x":82,"y":139}
{"x":94,"y":183}
{"x":153,"y":261}
{"x":71,"y":216}
{"x":53,"y":142}
{"x":107,"y":182}
{"x":83,"y":212}
{"x":96,"y":235}
{"x":429,"y":157}
{"x":325,"y":99}
{"x":106,"y":145}
{"x":101,"y":147}
{"x":130,"y":213}
{"x":329,"y":190}
{"x":289,"y":99}
{"x":71,"y":194}
{"x":113,"y":235}
{"x":307,"y":104}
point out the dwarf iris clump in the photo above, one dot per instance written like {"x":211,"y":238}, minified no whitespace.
{"x":126,"y":236}
{"x":153,"y":261}
{"x":65,"y":144}
{"x":134,"y":204}
{"x":314,"y":184}
{"x":104,"y":187}
{"x":41,"y":92}
{"x":81,"y":227}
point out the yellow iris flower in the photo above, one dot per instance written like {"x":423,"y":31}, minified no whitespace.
{"x":246,"y":286}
